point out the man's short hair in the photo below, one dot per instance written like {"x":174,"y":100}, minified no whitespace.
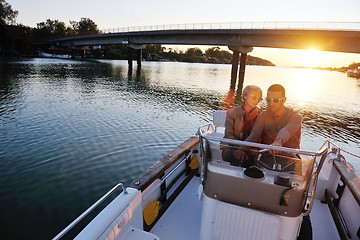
{"x":277,"y":88}
{"x":249,"y":88}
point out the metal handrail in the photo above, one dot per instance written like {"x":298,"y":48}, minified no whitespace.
{"x":322,"y":152}
{"x":90,"y":209}
{"x":260,"y":145}
{"x":350,"y":26}
{"x":315,"y":179}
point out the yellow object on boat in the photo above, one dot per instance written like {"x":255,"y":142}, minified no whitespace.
{"x":194,"y":164}
{"x":151,"y":212}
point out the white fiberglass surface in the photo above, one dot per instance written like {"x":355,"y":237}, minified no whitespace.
{"x":323,"y":225}
{"x":182,"y":218}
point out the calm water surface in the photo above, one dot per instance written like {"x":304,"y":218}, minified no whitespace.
{"x":69,"y":131}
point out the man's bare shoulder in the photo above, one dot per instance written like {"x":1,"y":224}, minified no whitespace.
{"x":292,"y":113}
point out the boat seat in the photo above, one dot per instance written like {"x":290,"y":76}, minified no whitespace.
{"x":219,"y":119}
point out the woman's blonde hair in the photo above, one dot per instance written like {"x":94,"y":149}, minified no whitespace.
{"x":249,"y":88}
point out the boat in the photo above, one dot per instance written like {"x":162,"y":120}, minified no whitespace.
{"x":354,"y":72}
{"x":55,"y":53}
{"x":191,"y":193}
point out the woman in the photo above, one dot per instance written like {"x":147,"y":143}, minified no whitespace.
{"x":239,"y":122}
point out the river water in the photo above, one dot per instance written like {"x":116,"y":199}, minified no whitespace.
{"x":70,"y":130}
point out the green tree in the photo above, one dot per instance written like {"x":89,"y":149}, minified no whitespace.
{"x":219,"y":55}
{"x":193,"y":52}
{"x":50,"y":28}
{"x":212,"y":52}
{"x":7,"y":14}
{"x":154,"y":48}
{"x":54,"y":27}
{"x":84,"y":25}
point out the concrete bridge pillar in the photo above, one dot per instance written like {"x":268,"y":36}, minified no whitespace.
{"x":130,"y":54}
{"x":241,"y":73}
{"x":139,"y":57}
{"x":138,"y":54}
{"x":235,"y":62}
{"x":234,"y":69}
{"x":82,"y":54}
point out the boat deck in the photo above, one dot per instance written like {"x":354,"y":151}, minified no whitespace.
{"x":182,"y":219}
{"x":323,"y":225}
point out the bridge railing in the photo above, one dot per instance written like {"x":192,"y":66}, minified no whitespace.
{"x":348,"y":26}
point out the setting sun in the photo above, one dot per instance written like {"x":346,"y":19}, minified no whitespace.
{"x":311,"y":58}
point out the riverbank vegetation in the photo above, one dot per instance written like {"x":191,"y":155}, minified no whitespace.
{"x":157,"y":52}
{"x":344,"y":69}
{"x":195,"y":54}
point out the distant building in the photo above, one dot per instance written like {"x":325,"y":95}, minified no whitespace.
{"x":14,"y":40}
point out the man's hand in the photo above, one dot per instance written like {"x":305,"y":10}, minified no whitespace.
{"x":278,"y":142}
{"x":241,"y":156}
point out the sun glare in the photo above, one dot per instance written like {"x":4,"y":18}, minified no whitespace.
{"x":308,"y":86}
{"x":312,"y":58}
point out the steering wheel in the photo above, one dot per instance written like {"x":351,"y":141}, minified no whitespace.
{"x":280,"y":163}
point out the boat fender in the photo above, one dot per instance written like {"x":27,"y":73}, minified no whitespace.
{"x":194,"y":164}
{"x":151,"y":212}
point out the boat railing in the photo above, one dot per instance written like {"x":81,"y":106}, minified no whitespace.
{"x":333,"y":146}
{"x":204,"y":133}
{"x":201,"y":134}
{"x":90,"y":209}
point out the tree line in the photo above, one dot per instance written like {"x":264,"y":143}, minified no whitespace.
{"x":195,"y":54}
{"x":49,"y":28}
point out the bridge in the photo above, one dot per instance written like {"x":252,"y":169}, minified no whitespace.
{"x":239,"y":37}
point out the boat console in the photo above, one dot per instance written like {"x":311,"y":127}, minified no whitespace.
{"x":272,"y":191}
{"x":276,"y":184}
{"x":264,"y":201}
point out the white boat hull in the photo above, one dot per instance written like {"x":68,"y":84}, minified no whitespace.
{"x":50,"y":55}
{"x":187,"y":211}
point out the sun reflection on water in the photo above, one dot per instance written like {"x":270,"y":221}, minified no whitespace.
{"x":307,"y":87}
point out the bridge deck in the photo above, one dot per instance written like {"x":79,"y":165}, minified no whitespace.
{"x":337,"y":37}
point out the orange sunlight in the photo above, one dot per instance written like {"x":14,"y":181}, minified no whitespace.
{"x":308,"y":86}
{"x":307,"y":58}
{"x":311,"y":58}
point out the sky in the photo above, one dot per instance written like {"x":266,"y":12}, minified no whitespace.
{"x":119,"y":13}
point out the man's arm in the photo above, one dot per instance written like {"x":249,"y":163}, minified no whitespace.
{"x":289,"y":130}
{"x":257,"y":129}
{"x":254,"y":136}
